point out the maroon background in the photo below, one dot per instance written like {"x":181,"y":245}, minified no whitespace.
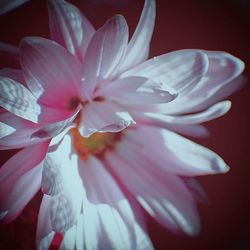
{"x":211,"y":25}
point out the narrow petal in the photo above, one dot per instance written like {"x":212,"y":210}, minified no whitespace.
{"x":106,"y":116}
{"x":17,"y":99}
{"x":23,"y":191}
{"x":104,"y":53}
{"x":181,"y":70}
{"x":69,"y":27}
{"x":8,"y":5}
{"x":213,"y":112}
{"x":138,"y":47}
{"x":159,"y":120}
{"x":44,"y":233}
{"x":17,"y":166}
{"x":52,"y":73}
{"x":221,"y":80}
{"x":108,"y":217}
{"x":178,"y":155}
{"x":137,"y":91}
{"x":165,"y":197}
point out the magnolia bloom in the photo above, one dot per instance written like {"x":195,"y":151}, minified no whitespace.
{"x":97,"y":122}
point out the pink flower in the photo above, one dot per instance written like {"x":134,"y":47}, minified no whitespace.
{"x":97,"y":121}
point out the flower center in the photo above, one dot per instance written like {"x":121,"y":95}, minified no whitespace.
{"x":97,"y":144}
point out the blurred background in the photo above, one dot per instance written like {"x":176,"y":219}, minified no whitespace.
{"x":204,"y":24}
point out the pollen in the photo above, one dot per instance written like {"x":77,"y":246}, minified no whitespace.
{"x":97,"y":144}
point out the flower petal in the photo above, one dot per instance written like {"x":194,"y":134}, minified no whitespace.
{"x":17,"y":99}
{"x":165,"y":197}
{"x":23,"y":191}
{"x":221,"y":80}
{"x":106,"y":116}
{"x":136,"y":91}
{"x":180,"y":70}
{"x":44,"y":233}
{"x":52,"y":73}
{"x":108,"y":217}
{"x":69,"y":27}
{"x":104,"y":53}
{"x":213,"y":112}
{"x":8,"y":5}
{"x":138,"y":47}
{"x":178,"y":155}
{"x":16,"y":167}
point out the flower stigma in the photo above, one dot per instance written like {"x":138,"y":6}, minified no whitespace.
{"x":97,"y":144}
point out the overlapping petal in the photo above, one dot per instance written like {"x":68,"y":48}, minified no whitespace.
{"x":69,"y":27}
{"x":51,"y":73}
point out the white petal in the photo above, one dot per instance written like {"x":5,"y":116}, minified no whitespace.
{"x":17,"y":99}
{"x":138,"y":47}
{"x":106,"y":116}
{"x":180,"y":70}
{"x":69,"y":27}
{"x":104,"y":53}
{"x":8,"y":5}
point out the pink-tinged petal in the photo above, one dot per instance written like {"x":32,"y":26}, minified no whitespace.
{"x":106,"y":116}
{"x":138,"y":47}
{"x":51,"y":73}
{"x":9,"y":51}
{"x":15,"y":74}
{"x":213,"y":112}
{"x":23,"y":191}
{"x":181,"y":70}
{"x":18,"y":165}
{"x":108,"y":217}
{"x":54,"y":129}
{"x":15,"y":132}
{"x":104,"y":53}
{"x":159,"y":120}
{"x":136,"y":91}
{"x":44,"y":233}
{"x":17,"y":99}
{"x":165,"y":197}
{"x":221,"y":80}
{"x":69,"y":27}
{"x":8,"y":5}
{"x":178,"y":155}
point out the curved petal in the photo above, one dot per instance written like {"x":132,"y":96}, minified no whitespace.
{"x":16,"y":167}
{"x":136,"y":91}
{"x":138,"y":47}
{"x":165,"y":197}
{"x":181,"y":69}
{"x":178,"y":155}
{"x":69,"y":27}
{"x":23,"y":191}
{"x":52,"y":73}
{"x":221,"y":79}
{"x":213,"y":112}
{"x":44,"y":233}
{"x":159,"y":120}
{"x":8,"y":5}
{"x":106,"y":209}
{"x":104,"y":53}
{"x":17,"y":99}
{"x":106,"y":116}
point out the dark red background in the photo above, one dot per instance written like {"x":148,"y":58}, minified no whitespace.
{"x":211,"y":25}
